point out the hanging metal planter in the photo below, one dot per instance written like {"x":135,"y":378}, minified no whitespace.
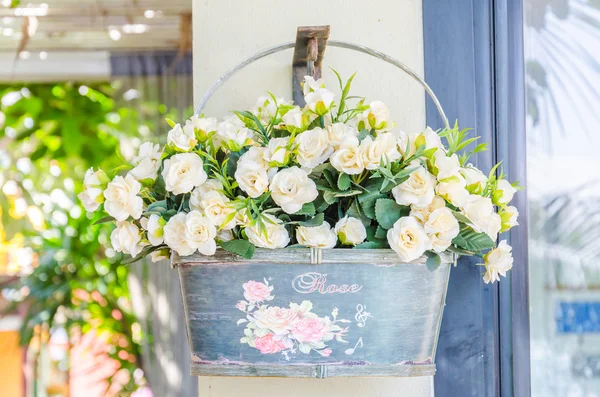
{"x":364,"y":313}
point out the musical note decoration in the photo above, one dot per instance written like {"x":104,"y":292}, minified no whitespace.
{"x":353,"y":349}
{"x":362,"y":315}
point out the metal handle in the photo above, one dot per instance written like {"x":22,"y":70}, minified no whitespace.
{"x":333,"y":43}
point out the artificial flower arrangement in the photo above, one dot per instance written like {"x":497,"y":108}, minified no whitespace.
{"x":329,"y":174}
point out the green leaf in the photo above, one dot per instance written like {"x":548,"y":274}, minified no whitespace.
{"x":158,"y":206}
{"x":461,"y":217}
{"x":368,"y":206}
{"x":347,"y":193}
{"x":316,"y":220}
{"x":370,"y":245}
{"x":330,"y":197}
{"x":105,"y":219}
{"x":381,"y":233}
{"x":387,"y":212}
{"x":330,"y":177}
{"x":38,"y":153}
{"x":371,"y":190}
{"x":343,"y":182}
{"x":307,"y":209}
{"x":170,"y":122}
{"x":468,"y":239}
{"x":433,"y":261}
{"x":242,"y":248}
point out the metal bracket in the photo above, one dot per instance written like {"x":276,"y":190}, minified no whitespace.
{"x":308,"y":56}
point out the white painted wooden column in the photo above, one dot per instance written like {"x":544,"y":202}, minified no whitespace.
{"x":227,"y":31}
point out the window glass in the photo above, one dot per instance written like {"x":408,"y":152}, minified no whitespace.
{"x":562,"y":53}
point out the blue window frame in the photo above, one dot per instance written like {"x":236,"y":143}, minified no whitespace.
{"x":474,"y":63}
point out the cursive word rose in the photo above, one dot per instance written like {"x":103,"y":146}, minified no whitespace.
{"x":308,"y":283}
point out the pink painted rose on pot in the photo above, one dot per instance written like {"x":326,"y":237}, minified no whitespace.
{"x":268,"y":344}
{"x":310,"y":330}
{"x":255,"y":291}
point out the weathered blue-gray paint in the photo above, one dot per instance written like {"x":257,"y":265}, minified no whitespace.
{"x":509,"y":76}
{"x":457,"y":36}
{"x":471,"y":48}
{"x":399,"y":336}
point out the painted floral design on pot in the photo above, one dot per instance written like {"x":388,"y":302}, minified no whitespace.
{"x":286,"y":330}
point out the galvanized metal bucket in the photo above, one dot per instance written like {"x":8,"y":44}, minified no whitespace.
{"x":390,"y":312}
{"x":347,"y":312}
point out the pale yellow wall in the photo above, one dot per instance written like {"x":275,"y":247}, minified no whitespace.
{"x":227,"y":31}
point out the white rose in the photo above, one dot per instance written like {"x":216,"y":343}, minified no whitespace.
{"x":274,"y":235}
{"x":94,"y":182}
{"x":339,"y":131}
{"x":418,"y":189}
{"x":316,"y":237}
{"x":422,"y":213}
{"x":242,"y":218}
{"x":348,"y":157}
{"x":441,"y":227}
{"x":310,"y":84}
{"x":209,"y":185}
{"x":383,"y":148}
{"x":183,"y":172}
{"x":174,"y":233}
{"x":313,"y":148}
{"x":224,"y":235}
{"x":266,"y":108}
{"x":407,"y":143}
{"x":432,"y":139}
{"x":233,"y":134}
{"x":376,"y":117}
{"x":255,"y":154}
{"x":291,"y":188}
{"x":182,"y":139}
{"x":480,"y":212}
{"x":216,"y":207}
{"x":200,"y":233}
{"x":453,"y":190}
{"x":251,"y":178}
{"x":121,"y":198}
{"x":147,"y":162}
{"x":474,"y":178}
{"x":503,"y":193}
{"x":127,"y":238}
{"x":351,"y":231}
{"x":497,"y":262}
{"x":509,"y":216}
{"x":320,"y":100}
{"x":408,"y":239}
{"x":277,"y":153}
{"x":155,"y":229}
{"x":295,"y":120}
{"x":203,"y":125}
{"x":447,"y":166}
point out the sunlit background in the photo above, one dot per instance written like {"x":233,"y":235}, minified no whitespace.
{"x":562,"y":51}
{"x":82,"y":83}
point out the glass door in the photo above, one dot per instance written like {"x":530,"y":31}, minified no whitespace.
{"x":562,"y":55}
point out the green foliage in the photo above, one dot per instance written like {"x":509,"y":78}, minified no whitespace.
{"x":468,"y":239}
{"x":64,"y":129}
{"x":433,"y":261}
{"x":387,"y":212}
{"x":242,"y":248}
